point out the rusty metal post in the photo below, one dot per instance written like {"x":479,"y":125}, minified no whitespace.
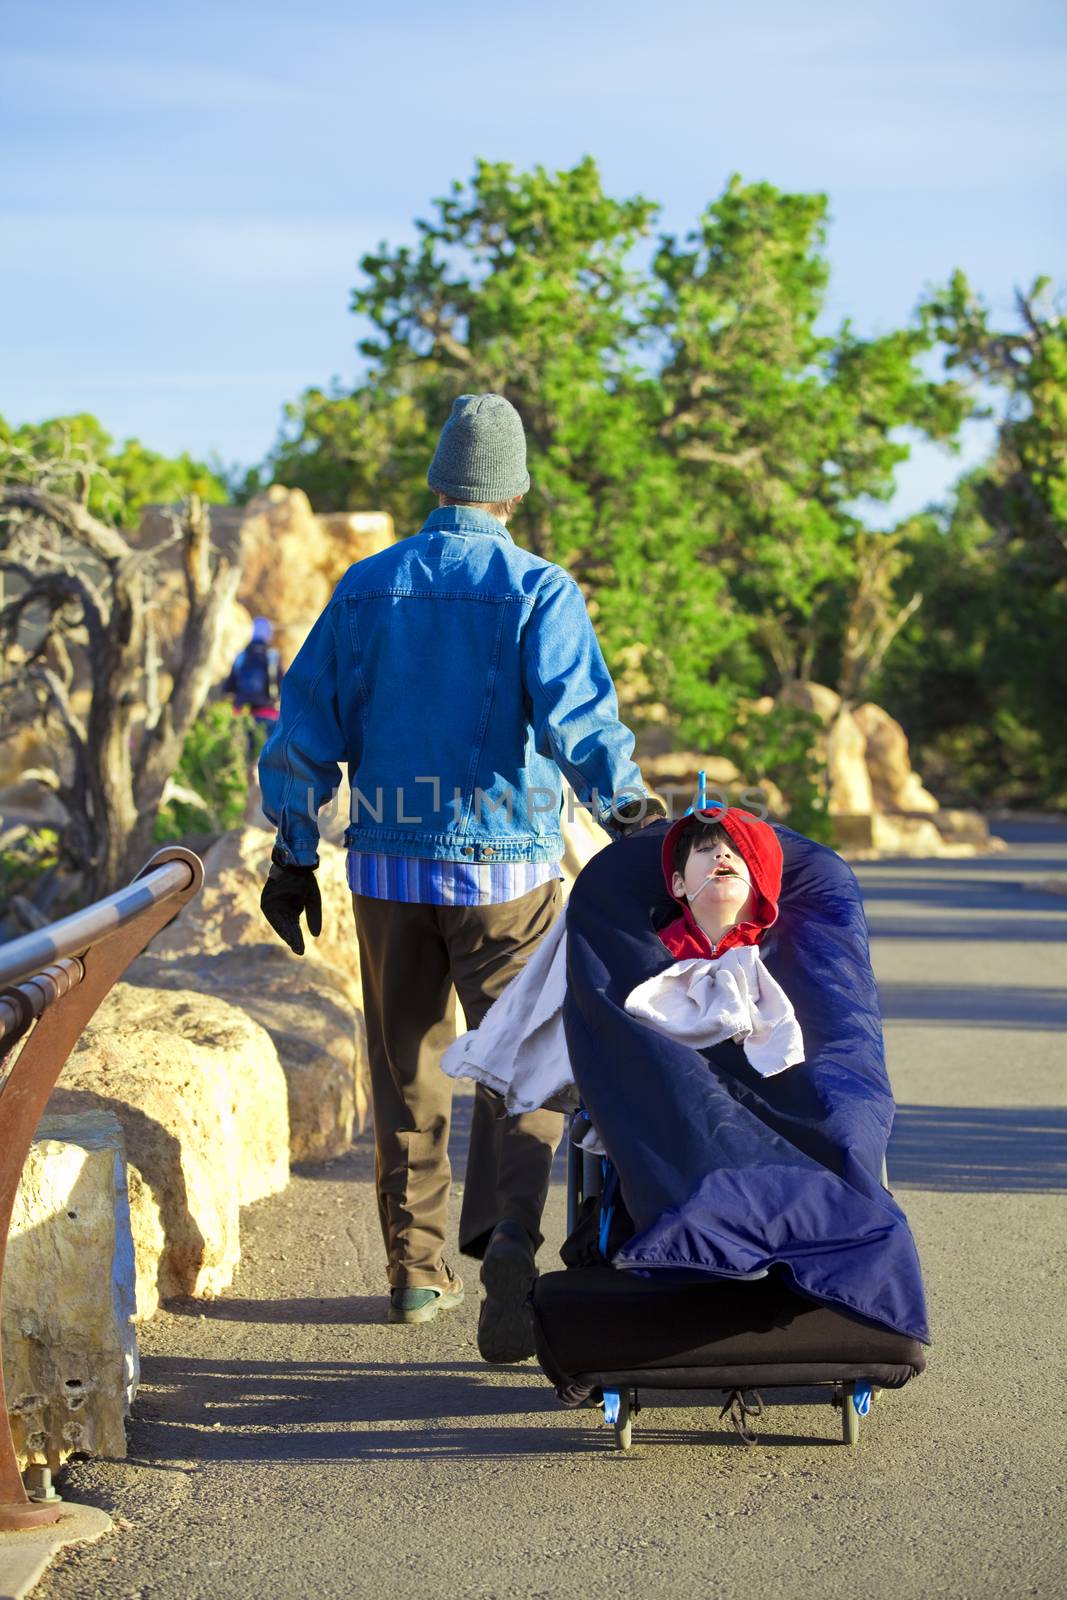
{"x":57,"y":978}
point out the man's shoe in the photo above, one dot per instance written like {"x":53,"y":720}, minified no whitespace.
{"x":505,"y":1322}
{"x":422,"y":1305}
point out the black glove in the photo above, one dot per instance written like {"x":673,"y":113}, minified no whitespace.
{"x":287,"y":892}
{"x":635,"y":815}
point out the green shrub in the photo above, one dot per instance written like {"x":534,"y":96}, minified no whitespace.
{"x":26,"y":860}
{"x":213,"y":771}
{"x":780,"y":746}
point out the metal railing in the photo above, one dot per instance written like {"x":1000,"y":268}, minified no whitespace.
{"x":51,"y":983}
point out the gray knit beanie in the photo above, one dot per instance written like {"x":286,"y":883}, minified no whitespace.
{"x":481,"y":454}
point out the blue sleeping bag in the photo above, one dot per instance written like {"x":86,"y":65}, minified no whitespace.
{"x":724,"y":1172}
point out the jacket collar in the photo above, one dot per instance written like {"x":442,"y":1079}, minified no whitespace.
{"x":464,"y":519}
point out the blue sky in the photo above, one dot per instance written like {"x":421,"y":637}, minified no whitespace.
{"x":187,"y":191}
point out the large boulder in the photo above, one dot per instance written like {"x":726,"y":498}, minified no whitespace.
{"x":311,"y":1005}
{"x":961,"y":827}
{"x":894,"y":785}
{"x":23,"y":747}
{"x":814,"y":697}
{"x":32,"y":802}
{"x":675,"y":777}
{"x":226,"y":914}
{"x":284,"y":555}
{"x":70,"y":1352}
{"x":318,"y":1033}
{"x":201,"y":1096}
{"x":846,"y":768}
{"x":895,"y":835}
{"x":351,"y":536}
{"x":290,"y":560}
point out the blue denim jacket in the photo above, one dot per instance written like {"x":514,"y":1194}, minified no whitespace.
{"x":458,"y":675}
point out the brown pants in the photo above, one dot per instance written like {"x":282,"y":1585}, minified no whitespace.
{"x":414,"y":959}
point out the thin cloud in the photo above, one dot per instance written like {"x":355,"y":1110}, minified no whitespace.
{"x":204,"y":379}
{"x":104,"y":84}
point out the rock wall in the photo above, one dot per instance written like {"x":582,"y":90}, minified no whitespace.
{"x":70,"y":1352}
{"x":878,"y":800}
{"x":310,"y":1005}
{"x":200,"y":1094}
{"x":317,"y":1031}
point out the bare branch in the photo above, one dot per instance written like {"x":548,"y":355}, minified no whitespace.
{"x":162,"y":743}
{"x":444,"y":337}
{"x":57,"y":588}
{"x":696,"y":450}
{"x":197,"y":551}
{"x":104,"y":541}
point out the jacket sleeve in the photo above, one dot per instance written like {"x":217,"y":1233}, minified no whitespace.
{"x":298,"y":768}
{"x":575,"y":712}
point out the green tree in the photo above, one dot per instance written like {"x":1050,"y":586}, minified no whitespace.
{"x":977,"y":678}
{"x":779,"y":428}
{"x":697,"y":447}
{"x":1022,"y":496}
{"x":74,"y":456}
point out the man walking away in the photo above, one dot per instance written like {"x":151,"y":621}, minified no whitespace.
{"x":459,"y":676}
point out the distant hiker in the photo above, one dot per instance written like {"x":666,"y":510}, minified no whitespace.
{"x":254,"y":683}
{"x":458,"y":675}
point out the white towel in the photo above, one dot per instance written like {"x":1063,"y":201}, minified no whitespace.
{"x":701,"y":1002}
{"x":520,"y":1049}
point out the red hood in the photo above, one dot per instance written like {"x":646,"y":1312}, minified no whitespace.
{"x":757,"y":844}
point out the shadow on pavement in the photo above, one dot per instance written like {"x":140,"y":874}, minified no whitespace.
{"x":358,"y":1310}
{"x":945,"y":930}
{"x":966,"y":894}
{"x":981,"y":1150}
{"x":974,"y":1005}
{"x":193,"y":1409}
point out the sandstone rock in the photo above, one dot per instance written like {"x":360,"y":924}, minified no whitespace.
{"x":677,"y":771}
{"x":70,"y":1353}
{"x":852,"y":835}
{"x":284,"y":556}
{"x":849,"y":781}
{"x":32,"y":802}
{"x":20,"y":749}
{"x":351,"y":536}
{"x":201,"y":1096}
{"x":816,"y":697}
{"x":149,"y":1242}
{"x":318,"y":1033}
{"x":226,"y":912}
{"x":290,"y":561}
{"x":908,"y":836}
{"x":895,"y":786}
{"x":966,"y":827}
{"x":675,"y":778}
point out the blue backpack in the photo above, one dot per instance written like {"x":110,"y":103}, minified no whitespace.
{"x":255,"y":677}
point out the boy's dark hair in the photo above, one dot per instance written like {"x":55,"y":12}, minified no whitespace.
{"x":698,"y":829}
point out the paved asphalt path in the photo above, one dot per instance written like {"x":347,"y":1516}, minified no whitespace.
{"x":288,"y":1443}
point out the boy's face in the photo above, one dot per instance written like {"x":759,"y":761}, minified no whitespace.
{"x":716,"y":880}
